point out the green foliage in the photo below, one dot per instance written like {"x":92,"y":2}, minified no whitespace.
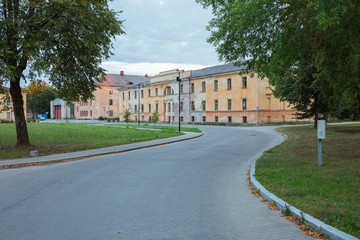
{"x":40,"y":102}
{"x":63,"y":40}
{"x":309,"y":50}
{"x":101,"y":118}
{"x":127,"y":114}
{"x":5,"y":103}
{"x":155,"y":117}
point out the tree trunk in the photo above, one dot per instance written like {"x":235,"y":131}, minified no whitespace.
{"x":18,"y":104}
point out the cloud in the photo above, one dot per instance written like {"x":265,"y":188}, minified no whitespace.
{"x":150,"y":68}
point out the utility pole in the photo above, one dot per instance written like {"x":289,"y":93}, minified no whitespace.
{"x":179,"y":80}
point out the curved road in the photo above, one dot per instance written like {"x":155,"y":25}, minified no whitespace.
{"x":193,"y":189}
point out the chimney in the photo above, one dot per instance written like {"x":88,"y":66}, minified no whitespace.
{"x":146,"y":75}
{"x":121,"y":73}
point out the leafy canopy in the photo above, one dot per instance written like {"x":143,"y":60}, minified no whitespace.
{"x":309,"y":50}
{"x":65,"y":40}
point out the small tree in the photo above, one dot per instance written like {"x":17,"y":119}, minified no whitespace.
{"x":155,"y":117}
{"x":127,"y":114}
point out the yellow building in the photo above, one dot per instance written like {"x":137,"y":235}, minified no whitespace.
{"x":106,"y":101}
{"x":6,"y":106}
{"x":216,"y":94}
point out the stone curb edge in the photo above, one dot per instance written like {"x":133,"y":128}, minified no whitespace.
{"x":314,"y":223}
{"x":18,"y":165}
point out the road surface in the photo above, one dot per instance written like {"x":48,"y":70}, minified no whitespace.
{"x":193,"y":189}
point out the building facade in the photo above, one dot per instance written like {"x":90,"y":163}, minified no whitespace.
{"x":216,"y":94}
{"x":59,"y":109}
{"x":6,"y":105}
{"x":106,"y":97}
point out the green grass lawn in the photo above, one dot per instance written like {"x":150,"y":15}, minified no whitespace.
{"x":170,"y":128}
{"x":330,"y":193}
{"x":51,"y":138}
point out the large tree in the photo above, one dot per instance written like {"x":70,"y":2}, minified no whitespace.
{"x":65,"y":40}
{"x":309,"y":49}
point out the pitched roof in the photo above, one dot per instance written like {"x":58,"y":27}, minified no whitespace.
{"x":117,"y":80}
{"x":226,"y":68}
{"x":4,"y":89}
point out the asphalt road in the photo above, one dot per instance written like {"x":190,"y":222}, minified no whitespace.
{"x":194,"y":189}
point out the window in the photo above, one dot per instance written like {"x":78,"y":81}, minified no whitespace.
{"x":192,"y":88}
{"x":192,"y":106}
{"x":110,"y":92}
{"x":173,"y":118}
{"x":203,"y":87}
{"x":203,"y":104}
{"x":8,"y":115}
{"x":142,"y":93}
{"x":90,"y":113}
{"x":110,"y":102}
{"x":111,"y":113}
{"x":181,"y":119}
{"x":173,"y":107}
{"x":229,"y":104}
{"x":156,"y":91}
{"x":143,"y":118}
{"x":192,"y":118}
{"x":149,"y":108}
{"x":216,"y":85}
{"x":229,"y":84}
{"x":142,"y":108}
{"x":204,"y":119}
{"x":135,"y":108}
{"x":216,"y":105}
{"x":229,"y":119}
{"x":8,"y":102}
{"x":91,"y":102}
{"x":168,"y":91}
{"x":181,"y":88}
{"x":169,"y":107}
{"x":83,"y":113}
{"x":181,"y":106}
{"x":150,"y":119}
{"x":129,"y":96}
{"x":244,"y":104}
{"x":244,"y":82}
{"x":135,"y":118}
{"x":156,"y":107}
{"x":169,"y":119}
{"x":135,"y":94}
{"x":123,"y":95}
{"x":244,"y":119}
{"x":149,"y":92}
{"x":216,"y":119}
{"x":165,"y":107}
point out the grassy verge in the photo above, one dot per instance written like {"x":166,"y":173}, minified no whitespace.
{"x":330,"y":193}
{"x":52,"y":138}
{"x":169,"y":128}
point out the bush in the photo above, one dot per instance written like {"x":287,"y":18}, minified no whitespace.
{"x":6,"y":121}
{"x":101,"y":118}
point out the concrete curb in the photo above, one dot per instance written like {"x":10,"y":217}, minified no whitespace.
{"x":314,"y":223}
{"x":73,"y":156}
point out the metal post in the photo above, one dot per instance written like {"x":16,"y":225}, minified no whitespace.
{"x":139,"y":106}
{"x":179,"y":80}
{"x":319,"y":153}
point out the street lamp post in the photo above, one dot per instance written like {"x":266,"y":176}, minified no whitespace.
{"x":139,"y":105}
{"x":179,"y":80}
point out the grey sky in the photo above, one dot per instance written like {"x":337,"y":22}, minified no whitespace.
{"x":161,"y":35}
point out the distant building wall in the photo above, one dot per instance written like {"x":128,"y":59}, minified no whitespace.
{"x":9,"y":113}
{"x":216,"y":94}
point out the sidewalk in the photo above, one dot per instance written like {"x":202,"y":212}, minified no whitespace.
{"x":21,"y":162}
